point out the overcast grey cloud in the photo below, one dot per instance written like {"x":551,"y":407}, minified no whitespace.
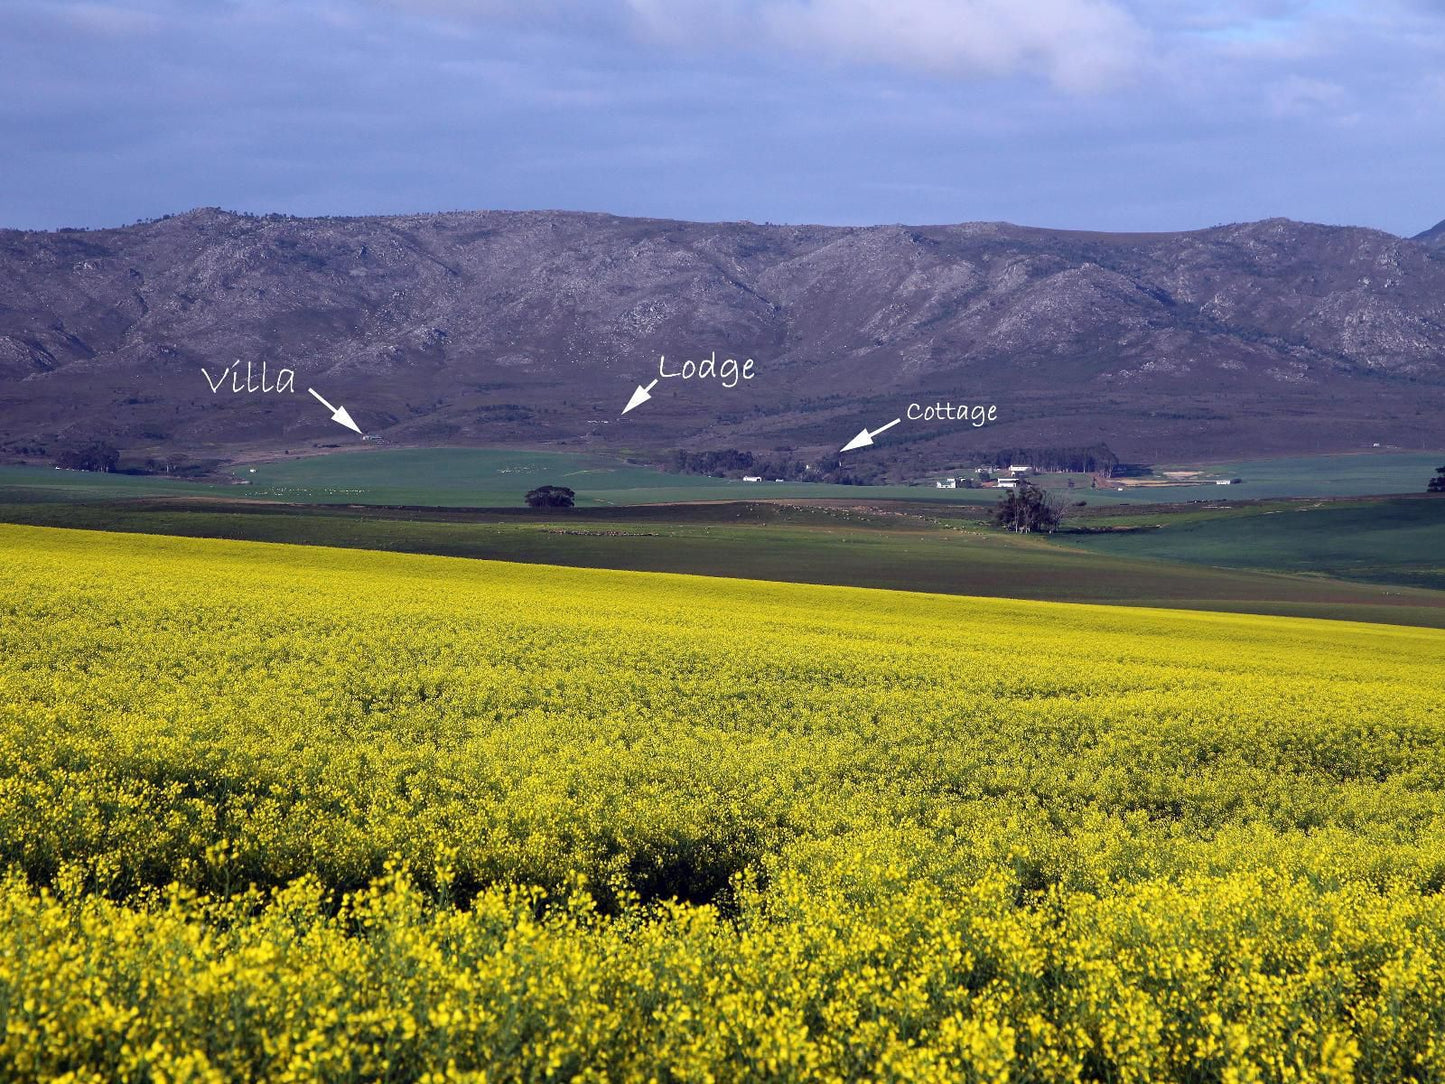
{"x":1111,"y":114}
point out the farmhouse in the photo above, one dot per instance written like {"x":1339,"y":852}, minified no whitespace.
{"x":752,"y":478}
{"x":947,"y":483}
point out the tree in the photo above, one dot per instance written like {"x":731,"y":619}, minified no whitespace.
{"x":1437,"y":484}
{"x":97,"y":456}
{"x":551,"y":497}
{"x":1027,"y":508}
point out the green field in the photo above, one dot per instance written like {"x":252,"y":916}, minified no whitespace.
{"x":1399,"y":541}
{"x":1364,"y":474}
{"x":454,"y":478}
{"x":489,"y":478}
{"x":73,"y":485}
{"x":498,"y":478}
{"x":1356,"y":475}
{"x":471,"y":477}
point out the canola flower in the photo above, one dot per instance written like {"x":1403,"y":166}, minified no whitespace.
{"x":284,"y":814}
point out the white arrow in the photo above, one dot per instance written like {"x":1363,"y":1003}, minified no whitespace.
{"x":639,"y":397}
{"x":338,"y":413}
{"x":865,"y":438}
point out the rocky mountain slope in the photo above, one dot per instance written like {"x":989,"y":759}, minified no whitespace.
{"x":534,"y":328}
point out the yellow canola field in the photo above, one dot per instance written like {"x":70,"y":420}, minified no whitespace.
{"x":288,"y":814}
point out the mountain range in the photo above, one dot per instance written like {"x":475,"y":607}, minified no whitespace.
{"x":534,"y":329}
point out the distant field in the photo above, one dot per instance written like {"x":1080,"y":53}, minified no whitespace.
{"x":466,"y":477}
{"x":473,"y":477}
{"x":1362,"y":475}
{"x":66,"y":485}
{"x":498,"y":478}
{"x":1366,"y":474}
{"x":1387,"y":541}
{"x":488,"y":478}
{"x":456,"y":478}
{"x":1307,"y":476}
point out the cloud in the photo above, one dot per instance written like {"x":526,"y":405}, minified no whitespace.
{"x":1244,"y":17}
{"x":1300,"y":97}
{"x":1078,"y":45}
{"x":111,"y":20}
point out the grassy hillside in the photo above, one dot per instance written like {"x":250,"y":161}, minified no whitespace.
{"x":272,"y":812}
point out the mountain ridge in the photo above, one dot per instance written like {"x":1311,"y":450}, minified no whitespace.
{"x":533,"y":327}
{"x":1435,"y":235}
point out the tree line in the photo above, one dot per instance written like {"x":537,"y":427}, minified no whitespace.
{"x":735,"y":463}
{"x":97,"y":455}
{"x":1077,"y":459}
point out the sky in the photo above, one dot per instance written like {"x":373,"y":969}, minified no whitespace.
{"x":1086,"y":114}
